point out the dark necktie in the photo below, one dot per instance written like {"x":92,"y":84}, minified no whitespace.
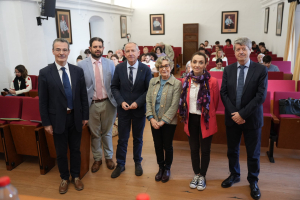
{"x":240,"y":87}
{"x":67,"y":87}
{"x":131,"y":78}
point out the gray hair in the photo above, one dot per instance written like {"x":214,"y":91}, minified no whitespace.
{"x":261,"y":54}
{"x":60,"y":40}
{"x":188,"y":63}
{"x":159,"y":61}
{"x":136,"y":46}
{"x":243,"y":41}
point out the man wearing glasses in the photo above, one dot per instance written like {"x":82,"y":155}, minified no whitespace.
{"x":98,"y":72}
{"x":129,"y":87}
{"x":64,"y":110}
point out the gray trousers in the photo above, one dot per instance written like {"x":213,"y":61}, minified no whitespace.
{"x":101,"y":119}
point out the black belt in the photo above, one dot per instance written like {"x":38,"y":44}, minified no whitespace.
{"x":100,"y":100}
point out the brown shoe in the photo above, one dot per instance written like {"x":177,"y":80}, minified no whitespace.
{"x":96,"y":166}
{"x":78,"y":184}
{"x":110,"y":163}
{"x":63,"y":187}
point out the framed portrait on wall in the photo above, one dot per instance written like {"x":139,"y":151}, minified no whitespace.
{"x":157,"y":24}
{"x":229,"y":22}
{"x":63,"y":24}
{"x":267,"y":11}
{"x":123,"y":26}
{"x":279,"y":18}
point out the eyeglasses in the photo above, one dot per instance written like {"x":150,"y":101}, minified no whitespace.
{"x":164,"y":66}
{"x":63,"y":50}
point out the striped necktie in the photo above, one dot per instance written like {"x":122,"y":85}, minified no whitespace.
{"x":131,"y":78}
{"x":240,"y":87}
{"x":67,"y":87}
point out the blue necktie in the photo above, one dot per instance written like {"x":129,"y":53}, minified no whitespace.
{"x":240,"y":87}
{"x":67,"y":87}
{"x":131,"y":78}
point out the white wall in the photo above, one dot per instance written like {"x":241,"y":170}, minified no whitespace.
{"x":208,"y":13}
{"x":275,"y":43}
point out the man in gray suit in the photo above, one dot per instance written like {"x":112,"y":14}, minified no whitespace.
{"x":98,"y":72}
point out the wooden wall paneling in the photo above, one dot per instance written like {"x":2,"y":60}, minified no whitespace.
{"x":190,"y":40}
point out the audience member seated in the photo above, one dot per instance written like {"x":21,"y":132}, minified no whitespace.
{"x":263,"y":50}
{"x":188,"y":69}
{"x":202,"y":50}
{"x":217,"y":48}
{"x":159,"y":53}
{"x":260,"y":45}
{"x":220,"y":55}
{"x":115,"y":59}
{"x":142,"y":57}
{"x":109,"y":54}
{"x":217,"y":43}
{"x":167,"y":49}
{"x":206,"y":51}
{"x":206,"y":45}
{"x":153,"y":56}
{"x":228,"y":45}
{"x":119,"y":52}
{"x":21,"y":83}
{"x":267,"y":62}
{"x":87,"y":53}
{"x":260,"y":58}
{"x":254,"y":47}
{"x":219,"y":67}
{"x":79,"y":58}
{"x":145,"y":50}
{"x":150,"y":63}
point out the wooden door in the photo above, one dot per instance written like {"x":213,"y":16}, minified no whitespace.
{"x":190,"y":41}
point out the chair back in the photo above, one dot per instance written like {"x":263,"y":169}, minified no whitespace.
{"x":30,"y":109}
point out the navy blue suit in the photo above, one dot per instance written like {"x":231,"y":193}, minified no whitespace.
{"x":253,"y":97}
{"x":122,"y":92}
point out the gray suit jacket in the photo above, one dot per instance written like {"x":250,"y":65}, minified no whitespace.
{"x":108,"y":69}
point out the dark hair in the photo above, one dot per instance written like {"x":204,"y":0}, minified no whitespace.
{"x":148,"y":54}
{"x":110,"y":51}
{"x":154,"y":55}
{"x":202,"y":43}
{"x":262,"y":44}
{"x":79,"y":57}
{"x":201,"y":48}
{"x":158,"y":47}
{"x":219,"y":60}
{"x":115,"y":55}
{"x":217,"y":42}
{"x":228,"y":40}
{"x":87,"y":51}
{"x":96,"y":39}
{"x":22,"y":70}
{"x":206,"y":41}
{"x":267,"y":59}
{"x":199,"y":54}
{"x":253,"y":43}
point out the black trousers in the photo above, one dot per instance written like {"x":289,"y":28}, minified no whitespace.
{"x":72,"y":138}
{"x":163,"y":144}
{"x":252,"y":141}
{"x":196,"y":142}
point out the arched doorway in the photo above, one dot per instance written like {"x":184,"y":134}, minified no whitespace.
{"x":97,"y":27}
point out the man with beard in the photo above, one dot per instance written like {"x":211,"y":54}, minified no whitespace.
{"x":98,"y":72}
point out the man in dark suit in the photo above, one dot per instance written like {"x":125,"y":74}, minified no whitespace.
{"x":64,"y":110}
{"x":243,"y":91}
{"x":129,"y":87}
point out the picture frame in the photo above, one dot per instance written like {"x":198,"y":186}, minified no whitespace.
{"x":157,"y":24}
{"x":279,"y":18}
{"x":63,"y":24}
{"x":229,"y":23}
{"x":123,"y":26}
{"x":267,"y":13}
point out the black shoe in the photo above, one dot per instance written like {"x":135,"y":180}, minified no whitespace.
{"x":228,"y":182}
{"x":255,"y":192}
{"x":138,"y":169}
{"x":159,"y":174}
{"x":166,"y":176}
{"x":117,"y":171}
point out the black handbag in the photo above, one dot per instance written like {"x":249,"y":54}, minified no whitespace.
{"x":289,"y":106}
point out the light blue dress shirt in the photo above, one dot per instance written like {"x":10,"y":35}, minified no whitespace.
{"x":134,"y":70}
{"x":228,"y":21}
{"x":273,"y":68}
{"x":245,"y":71}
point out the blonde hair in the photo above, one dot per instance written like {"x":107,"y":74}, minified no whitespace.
{"x":217,"y":54}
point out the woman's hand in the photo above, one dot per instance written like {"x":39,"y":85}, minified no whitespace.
{"x":161,"y":123}
{"x":154,"y":123}
{"x":12,"y":92}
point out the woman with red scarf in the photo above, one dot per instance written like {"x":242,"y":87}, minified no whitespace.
{"x":197,"y":107}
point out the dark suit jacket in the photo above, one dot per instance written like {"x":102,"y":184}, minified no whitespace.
{"x":120,"y":88}
{"x":53,"y":100}
{"x":254,"y":94}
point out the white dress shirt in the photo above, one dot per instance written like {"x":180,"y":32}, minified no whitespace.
{"x":134,"y":70}
{"x":193,"y":98}
{"x":60,"y":72}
